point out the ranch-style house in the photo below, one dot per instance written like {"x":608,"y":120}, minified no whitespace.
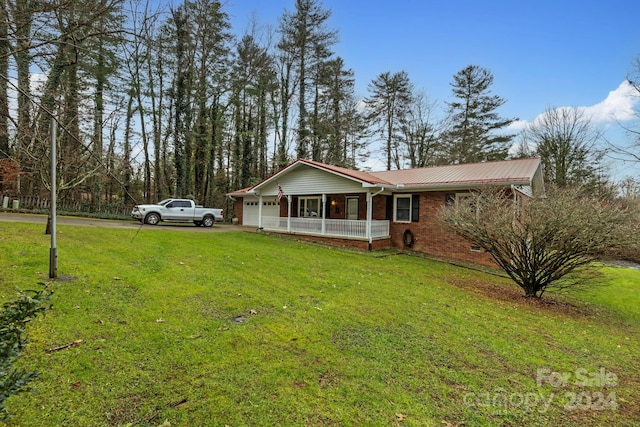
{"x":379,"y":210}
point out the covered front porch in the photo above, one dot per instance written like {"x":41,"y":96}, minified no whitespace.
{"x":337,"y":216}
{"x":308,"y":199}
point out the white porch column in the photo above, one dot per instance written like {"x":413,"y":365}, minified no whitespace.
{"x":369,"y":217}
{"x":260,"y":211}
{"x":289,"y":214}
{"x":324,"y":211}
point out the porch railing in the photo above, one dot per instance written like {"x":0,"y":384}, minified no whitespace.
{"x":351,"y":229}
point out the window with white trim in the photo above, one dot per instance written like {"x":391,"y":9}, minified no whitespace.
{"x":402,"y":208}
{"x":309,"y":207}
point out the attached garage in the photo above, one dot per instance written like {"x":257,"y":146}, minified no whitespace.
{"x":251,"y":209}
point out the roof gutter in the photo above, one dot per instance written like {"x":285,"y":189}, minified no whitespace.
{"x":461,"y":185}
{"x":382,"y":187}
{"x":379,"y":191}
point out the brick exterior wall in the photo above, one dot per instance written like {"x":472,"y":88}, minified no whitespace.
{"x":239,"y":208}
{"x":433,"y":238}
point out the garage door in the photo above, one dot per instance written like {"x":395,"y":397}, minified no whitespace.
{"x":251,"y":209}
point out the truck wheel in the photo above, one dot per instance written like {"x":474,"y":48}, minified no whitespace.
{"x":152,"y":219}
{"x":208,"y":221}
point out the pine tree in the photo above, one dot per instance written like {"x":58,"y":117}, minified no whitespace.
{"x":307,"y":42}
{"x":334,"y":92}
{"x":475,"y":133}
{"x":252,"y":84}
{"x":388,"y":105}
{"x":182,"y":98}
{"x":5,"y":49}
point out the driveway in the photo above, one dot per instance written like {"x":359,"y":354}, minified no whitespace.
{"x":90,"y":222}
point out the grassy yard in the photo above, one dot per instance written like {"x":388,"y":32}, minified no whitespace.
{"x":243,"y":329}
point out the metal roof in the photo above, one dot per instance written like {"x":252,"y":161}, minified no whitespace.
{"x":240,"y":192}
{"x":517,"y":172}
{"x":505,"y":172}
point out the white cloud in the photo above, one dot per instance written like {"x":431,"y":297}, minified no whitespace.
{"x":619,"y":106}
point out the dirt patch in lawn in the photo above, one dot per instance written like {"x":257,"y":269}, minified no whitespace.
{"x":515,"y":295}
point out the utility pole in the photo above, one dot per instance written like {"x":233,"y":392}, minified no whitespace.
{"x":53,"y":252}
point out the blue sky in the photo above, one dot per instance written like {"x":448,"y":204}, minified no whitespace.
{"x":542,"y":54}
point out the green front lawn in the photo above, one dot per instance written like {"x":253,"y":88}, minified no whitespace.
{"x":244,"y":329}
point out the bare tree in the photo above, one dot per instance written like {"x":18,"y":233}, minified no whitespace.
{"x":542,"y":243}
{"x":566,"y":142}
{"x":630,"y":151}
{"x":421,"y":131}
{"x":55,"y":40}
{"x":630,"y":188}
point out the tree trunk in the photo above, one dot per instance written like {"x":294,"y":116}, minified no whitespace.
{"x":98,"y":118}
{"x":5,"y":48}
{"x":126,"y":161}
{"x":23,"y":17}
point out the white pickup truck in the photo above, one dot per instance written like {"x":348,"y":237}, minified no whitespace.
{"x":177,"y":210}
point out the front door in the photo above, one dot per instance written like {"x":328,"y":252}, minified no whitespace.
{"x":352,"y":208}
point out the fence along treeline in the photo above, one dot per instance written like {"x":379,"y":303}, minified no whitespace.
{"x":167,"y":102}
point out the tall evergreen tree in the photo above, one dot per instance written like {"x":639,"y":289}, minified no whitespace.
{"x":99,"y":68}
{"x":182,"y":98}
{"x":334,"y":90}
{"x":281,"y":105}
{"x":156,"y":71}
{"x":211,"y":77}
{"x":477,"y":131}
{"x":5,"y":50}
{"x":388,"y":105}
{"x":201,"y":79}
{"x":306,"y":40}
{"x":157,"y":77}
{"x":252,"y":83}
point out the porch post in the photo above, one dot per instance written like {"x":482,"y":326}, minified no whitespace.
{"x":289,"y":214}
{"x":260,"y":211}
{"x":324,"y":211}
{"x":369,"y":217}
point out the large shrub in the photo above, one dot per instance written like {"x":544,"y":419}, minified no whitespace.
{"x":546,"y":242}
